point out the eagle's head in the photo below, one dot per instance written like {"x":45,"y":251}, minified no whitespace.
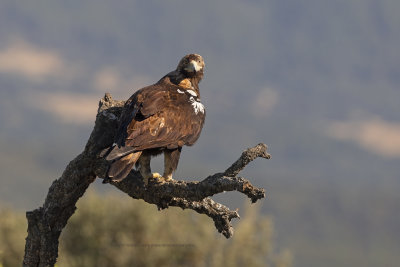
{"x":191,"y":65}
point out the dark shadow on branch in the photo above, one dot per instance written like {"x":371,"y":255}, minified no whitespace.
{"x":46,"y":223}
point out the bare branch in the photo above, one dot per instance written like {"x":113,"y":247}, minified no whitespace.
{"x":221,"y":215}
{"x":247,"y":156}
{"x":46,"y":223}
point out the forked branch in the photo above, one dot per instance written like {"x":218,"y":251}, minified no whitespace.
{"x":46,"y":223}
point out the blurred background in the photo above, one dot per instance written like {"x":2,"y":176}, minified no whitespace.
{"x":318,"y":81}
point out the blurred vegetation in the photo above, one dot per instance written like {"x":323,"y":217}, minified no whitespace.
{"x":118,"y":231}
{"x":12,"y":237}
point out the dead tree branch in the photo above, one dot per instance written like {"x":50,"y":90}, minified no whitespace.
{"x":46,"y":223}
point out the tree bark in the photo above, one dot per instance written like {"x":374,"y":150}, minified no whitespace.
{"x":46,"y":223}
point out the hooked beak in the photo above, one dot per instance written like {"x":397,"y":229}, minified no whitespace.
{"x":193,"y":67}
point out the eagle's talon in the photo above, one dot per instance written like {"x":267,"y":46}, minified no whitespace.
{"x":155,"y":178}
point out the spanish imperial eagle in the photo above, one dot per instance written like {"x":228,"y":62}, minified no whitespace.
{"x":160,"y":118}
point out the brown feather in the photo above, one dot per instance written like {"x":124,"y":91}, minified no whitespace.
{"x":118,"y":152}
{"x":175,"y":124}
{"x":120,"y":168}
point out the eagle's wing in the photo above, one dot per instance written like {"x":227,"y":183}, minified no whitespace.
{"x":142,"y":104}
{"x":170,"y":128}
{"x":156,"y":116}
{"x":168,"y":121}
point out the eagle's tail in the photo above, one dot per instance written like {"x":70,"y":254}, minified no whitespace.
{"x":115,"y":152}
{"x":120,"y":168}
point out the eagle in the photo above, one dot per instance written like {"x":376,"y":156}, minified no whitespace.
{"x":160,"y":118}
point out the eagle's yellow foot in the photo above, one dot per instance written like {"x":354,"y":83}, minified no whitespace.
{"x":155,"y":175}
{"x":167,"y":178}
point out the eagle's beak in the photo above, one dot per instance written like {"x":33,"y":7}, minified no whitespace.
{"x":193,"y":66}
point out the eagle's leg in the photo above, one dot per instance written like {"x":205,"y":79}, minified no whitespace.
{"x":171,"y":159}
{"x":145,"y":169}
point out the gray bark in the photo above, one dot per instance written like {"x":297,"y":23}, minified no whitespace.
{"x":46,"y":223}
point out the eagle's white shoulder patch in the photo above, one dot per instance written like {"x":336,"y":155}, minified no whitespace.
{"x":193,"y":93}
{"x":197,"y":106}
{"x":179,"y":91}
